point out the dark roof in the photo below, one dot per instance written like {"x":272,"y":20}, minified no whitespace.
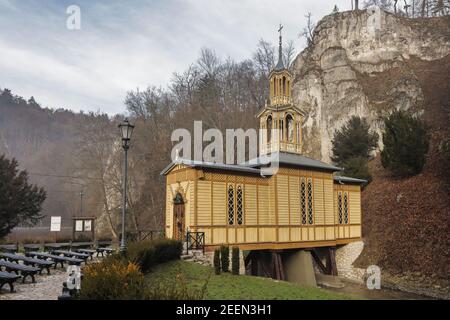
{"x":349,"y":180}
{"x":280,"y":65}
{"x":296,"y":160}
{"x":210,"y":165}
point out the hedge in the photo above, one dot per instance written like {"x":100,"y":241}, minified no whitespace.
{"x":148,"y":254}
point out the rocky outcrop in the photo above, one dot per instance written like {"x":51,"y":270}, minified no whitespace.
{"x":340,"y":74}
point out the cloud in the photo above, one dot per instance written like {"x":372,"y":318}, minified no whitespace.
{"x":125,"y":45}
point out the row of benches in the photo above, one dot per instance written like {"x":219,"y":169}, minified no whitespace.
{"x":50,"y":246}
{"x":34,"y":262}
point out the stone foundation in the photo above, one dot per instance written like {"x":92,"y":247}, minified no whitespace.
{"x":207,"y":259}
{"x":345,"y":256}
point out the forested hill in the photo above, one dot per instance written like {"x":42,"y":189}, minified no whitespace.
{"x":68,"y":152}
{"x":44,"y":143}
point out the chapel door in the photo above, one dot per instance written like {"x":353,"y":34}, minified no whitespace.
{"x":178,"y":218}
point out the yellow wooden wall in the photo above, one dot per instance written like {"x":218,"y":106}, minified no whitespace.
{"x":271,"y":207}
{"x":180,"y":179}
{"x":353,"y":228}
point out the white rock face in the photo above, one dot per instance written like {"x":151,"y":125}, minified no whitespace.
{"x":349,"y":47}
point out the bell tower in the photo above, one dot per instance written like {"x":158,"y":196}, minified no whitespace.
{"x":280,"y":119}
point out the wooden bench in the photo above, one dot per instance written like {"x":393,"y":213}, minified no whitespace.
{"x":57,"y":246}
{"x":25,"y":271}
{"x":90,"y":252}
{"x":71,"y":254}
{"x":104,"y":251}
{"x":32,"y":247}
{"x":9,"y":248}
{"x":8,"y":278}
{"x":38,"y":263}
{"x":82,"y":245}
{"x":57,"y":259}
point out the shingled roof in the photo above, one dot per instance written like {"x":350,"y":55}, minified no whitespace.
{"x":348,"y":180}
{"x":210,"y":165}
{"x":295,"y":160}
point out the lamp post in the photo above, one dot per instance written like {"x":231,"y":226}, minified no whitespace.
{"x":81,"y":203}
{"x":126,"y":130}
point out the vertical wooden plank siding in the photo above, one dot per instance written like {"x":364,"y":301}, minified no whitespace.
{"x":271,"y":207}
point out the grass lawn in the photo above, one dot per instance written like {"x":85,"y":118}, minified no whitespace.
{"x":229,"y":287}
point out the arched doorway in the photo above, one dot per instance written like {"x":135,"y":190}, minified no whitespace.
{"x":178,"y":217}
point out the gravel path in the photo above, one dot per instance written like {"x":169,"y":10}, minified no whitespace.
{"x":47,"y":287}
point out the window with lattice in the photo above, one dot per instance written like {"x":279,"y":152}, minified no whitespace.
{"x":339,"y":207}
{"x":310,"y":202}
{"x":230,"y":204}
{"x":303,"y":200}
{"x":239,"y":205}
{"x":345,"y":208}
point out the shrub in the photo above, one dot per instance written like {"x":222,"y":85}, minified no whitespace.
{"x":112,"y":279}
{"x":406,"y":143}
{"x":217,"y":261}
{"x":235,"y":260}
{"x":357,"y":167}
{"x":352,"y":145}
{"x":150,"y":253}
{"x":225,"y":258}
{"x":354,"y":139}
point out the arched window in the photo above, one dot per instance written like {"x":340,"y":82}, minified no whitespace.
{"x":239,"y":205}
{"x":284,"y":86}
{"x":303,"y":200}
{"x":281,"y":126}
{"x":345,"y":208}
{"x":230,"y":204}
{"x":269,"y":128}
{"x":178,"y":199}
{"x":310,"y":202}
{"x":290,"y":128}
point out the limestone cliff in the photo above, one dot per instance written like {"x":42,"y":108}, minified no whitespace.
{"x":334,"y":78}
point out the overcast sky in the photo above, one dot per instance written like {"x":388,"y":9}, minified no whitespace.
{"x":124,"y":45}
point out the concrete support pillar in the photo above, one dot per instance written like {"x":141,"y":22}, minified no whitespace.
{"x":299,"y":268}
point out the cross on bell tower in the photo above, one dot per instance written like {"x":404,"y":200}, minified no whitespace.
{"x":280,"y":118}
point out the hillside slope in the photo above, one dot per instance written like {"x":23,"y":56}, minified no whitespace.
{"x":405,"y":221}
{"x":358,"y":67}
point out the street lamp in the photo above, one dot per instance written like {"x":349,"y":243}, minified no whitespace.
{"x":126,"y":130}
{"x":81,"y":203}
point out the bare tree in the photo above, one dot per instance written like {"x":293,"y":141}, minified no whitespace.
{"x":264,"y":57}
{"x":386,"y":5}
{"x":288,"y":54}
{"x":307,"y":31}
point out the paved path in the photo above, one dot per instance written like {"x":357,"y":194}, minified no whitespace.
{"x":47,"y":287}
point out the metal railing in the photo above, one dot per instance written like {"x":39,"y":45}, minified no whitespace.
{"x":195,"y":241}
{"x":147,"y":234}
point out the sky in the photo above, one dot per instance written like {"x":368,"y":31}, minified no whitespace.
{"x":124,"y":45}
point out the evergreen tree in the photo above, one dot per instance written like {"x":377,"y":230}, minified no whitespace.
{"x":20,"y":202}
{"x":235,"y":260}
{"x":225,"y":258}
{"x":406,"y":143}
{"x":352,"y":145}
{"x":357,"y":167}
{"x":217,"y":261}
